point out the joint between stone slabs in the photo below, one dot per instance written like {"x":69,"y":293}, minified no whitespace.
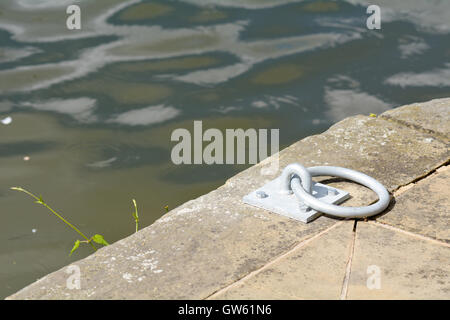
{"x":409,"y":233}
{"x":403,"y":188}
{"x":439,"y":136}
{"x":348,"y":269}
{"x":273,"y":261}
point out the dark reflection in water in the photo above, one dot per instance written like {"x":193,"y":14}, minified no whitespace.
{"x":93,"y":109}
{"x":192,"y":174}
{"x":24,"y":148}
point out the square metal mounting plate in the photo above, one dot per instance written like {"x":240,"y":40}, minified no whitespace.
{"x":269,"y":198}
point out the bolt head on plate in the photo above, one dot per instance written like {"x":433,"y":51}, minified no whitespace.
{"x":261,"y":194}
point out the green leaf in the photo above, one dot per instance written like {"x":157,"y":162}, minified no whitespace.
{"x":75,"y":247}
{"x":40,"y":201}
{"x":99,"y":239}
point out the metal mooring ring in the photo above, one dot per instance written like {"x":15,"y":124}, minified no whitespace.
{"x":345,"y":212}
{"x":287,"y":174}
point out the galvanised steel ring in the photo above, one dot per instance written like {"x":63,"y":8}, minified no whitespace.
{"x":296,"y":178}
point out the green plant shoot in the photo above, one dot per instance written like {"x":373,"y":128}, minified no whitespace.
{"x":135,"y":215}
{"x":96,"y":238}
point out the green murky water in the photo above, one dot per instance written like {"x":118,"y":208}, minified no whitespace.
{"x":93,"y":109}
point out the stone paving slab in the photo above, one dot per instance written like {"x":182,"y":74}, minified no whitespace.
{"x":211,"y":242}
{"x":410,"y":267}
{"x":255,"y":292}
{"x":424,"y":209}
{"x":433,"y":116}
{"x":313,"y":271}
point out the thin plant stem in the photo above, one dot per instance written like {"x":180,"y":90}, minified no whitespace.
{"x":135,"y":215}
{"x":40,"y":201}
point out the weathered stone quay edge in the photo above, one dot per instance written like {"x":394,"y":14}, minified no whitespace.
{"x":217,"y":247}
